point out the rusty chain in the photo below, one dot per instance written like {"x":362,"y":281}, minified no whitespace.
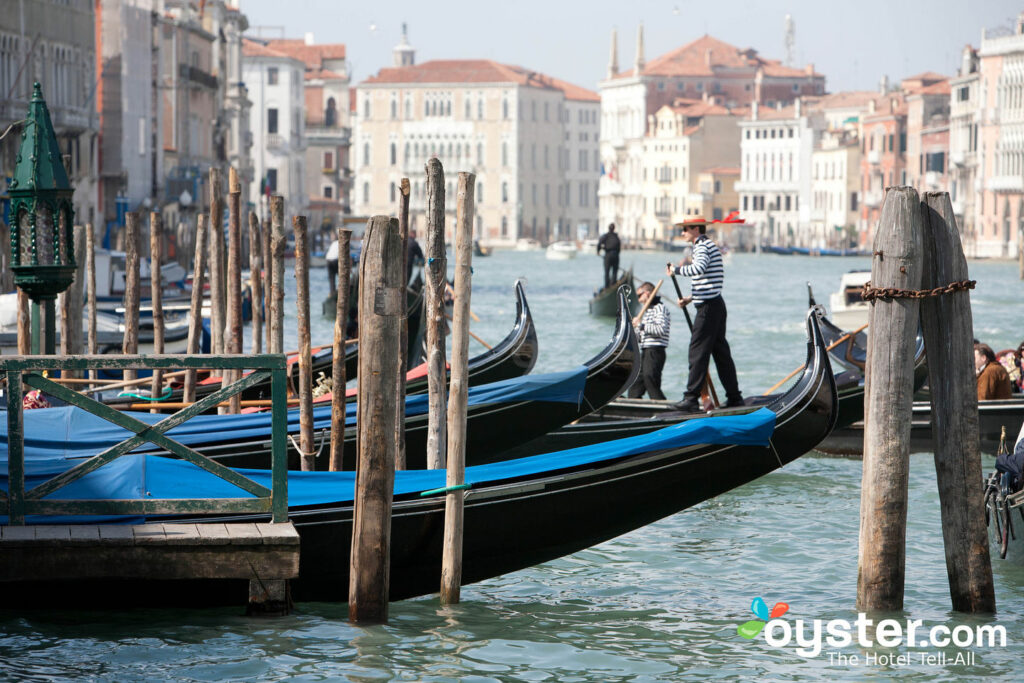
{"x":869,"y":293}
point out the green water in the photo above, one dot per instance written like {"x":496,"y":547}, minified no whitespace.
{"x":661,"y":603}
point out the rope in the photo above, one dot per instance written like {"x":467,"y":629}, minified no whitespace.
{"x":772,"y":446}
{"x":445,"y":489}
{"x":163,"y":397}
{"x":869,"y":293}
{"x":316,"y":453}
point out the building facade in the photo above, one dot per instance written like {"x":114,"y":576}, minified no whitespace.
{"x":727,"y":75}
{"x":529,"y":138}
{"x":964,"y":118}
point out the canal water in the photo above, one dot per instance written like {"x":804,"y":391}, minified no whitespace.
{"x":661,"y":603}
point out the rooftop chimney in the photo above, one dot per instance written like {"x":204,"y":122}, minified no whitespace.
{"x":613,"y":59}
{"x":309,"y":38}
{"x":638,"y":64}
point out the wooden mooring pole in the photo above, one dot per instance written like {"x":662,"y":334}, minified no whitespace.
{"x":156,"y":256}
{"x":403,"y":339}
{"x":72,"y":305}
{"x":24,"y":324}
{"x":948,"y":336}
{"x":131,"y":289}
{"x":195,"y":314}
{"x":307,"y":454}
{"x":266,"y":255}
{"x":451,"y":562}
{"x":216,"y":260}
{"x":277,"y":243}
{"x":436,"y":274}
{"x":380,"y":297}
{"x":256,"y":282}
{"x":233,"y":337}
{"x":888,"y":404}
{"x":338,"y":358}
{"x":90,"y":278}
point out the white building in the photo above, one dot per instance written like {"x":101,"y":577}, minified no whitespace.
{"x":835,"y":191}
{"x":964,"y":116}
{"x":277,"y":121}
{"x":530,"y":139}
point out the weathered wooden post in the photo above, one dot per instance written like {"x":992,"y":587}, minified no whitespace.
{"x":307,"y":454}
{"x":256,"y":282}
{"x":338,"y":359}
{"x":888,"y":403}
{"x":156,"y":257}
{"x":71,"y":303}
{"x":233,"y":337}
{"x":277,"y":283}
{"x":451,"y":563}
{"x":948,"y":334}
{"x":436,"y":274}
{"x":266,"y":256}
{"x":403,"y":339}
{"x":195,"y":314}
{"x":131,"y":290}
{"x":216,"y":260}
{"x":90,"y":277}
{"x":380,"y":296}
{"x":24,"y":324}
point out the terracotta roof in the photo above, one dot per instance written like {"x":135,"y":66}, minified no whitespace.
{"x":477,"y":71}
{"x":940,"y":88}
{"x":703,"y":56}
{"x":841,"y":100}
{"x":701,"y":108}
{"x":312,"y":55}
{"x":252,"y":48}
{"x":723,"y":170}
{"x":312,"y":74}
{"x":772,"y":114}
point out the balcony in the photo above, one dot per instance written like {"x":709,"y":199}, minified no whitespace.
{"x":873,"y":198}
{"x":197,"y":76}
{"x":662,"y":212}
{"x":1006,"y":183}
{"x":664,"y":176}
{"x":874,"y":156}
{"x":274,"y":141}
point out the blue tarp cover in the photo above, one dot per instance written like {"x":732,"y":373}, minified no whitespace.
{"x":138,"y":476}
{"x":71,"y":432}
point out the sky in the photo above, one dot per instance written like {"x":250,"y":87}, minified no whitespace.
{"x":852,"y":42}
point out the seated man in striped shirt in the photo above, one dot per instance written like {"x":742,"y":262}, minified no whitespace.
{"x":652,"y":328}
{"x":708,"y":338}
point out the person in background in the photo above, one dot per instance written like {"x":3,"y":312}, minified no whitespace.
{"x":708,"y":337}
{"x":652,"y":328}
{"x":993,"y":381}
{"x":332,"y":265}
{"x":611,"y":245}
{"x":414,"y":256}
{"x":1012,"y":361}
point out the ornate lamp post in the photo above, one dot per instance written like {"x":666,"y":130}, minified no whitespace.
{"x":42,"y":248}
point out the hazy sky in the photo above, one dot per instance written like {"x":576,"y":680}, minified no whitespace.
{"x":852,"y":42}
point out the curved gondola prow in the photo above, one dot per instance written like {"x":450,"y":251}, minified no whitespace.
{"x":619,"y":361}
{"x":521,"y":341}
{"x":817,"y":383}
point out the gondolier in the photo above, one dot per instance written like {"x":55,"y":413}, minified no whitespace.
{"x":652,"y":328}
{"x":708,"y":338}
{"x":611,"y":245}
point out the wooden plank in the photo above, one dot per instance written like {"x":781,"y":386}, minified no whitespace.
{"x":436,"y":274}
{"x":213,"y":533}
{"x":116,"y":534}
{"x":149,"y":534}
{"x":948,"y":335}
{"x":278,"y":534}
{"x":52,"y":534}
{"x":244,"y":534}
{"x":17,"y":534}
{"x":181,"y":534}
{"x":84,"y":533}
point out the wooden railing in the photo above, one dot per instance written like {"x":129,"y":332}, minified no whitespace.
{"x":25,"y":370}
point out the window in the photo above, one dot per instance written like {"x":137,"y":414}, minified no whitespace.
{"x":546,"y":111}
{"x":504,"y":192}
{"x":272,"y":121}
{"x":469,"y":109}
{"x":408,"y":108}
{"x":504,"y":113}
{"x":366,"y":107}
{"x":328,"y":192}
{"x":328,"y":161}
{"x":480,"y":193}
{"x":394,"y":109}
{"x":272,"y":179}
{"x":331,"y":113}
{"x":718,"y":186}
{"x":366,"y":154}
{"x":744,"y":202}
{"x":272,"y":75}
{"x":796,"y":87}
{"x":480,"y":108}
{"x":366,"y":193}
{"x":394,"y":154}
{"x":391,"y":192}
{"x":504,"y":153}
{"x":479,"y":154}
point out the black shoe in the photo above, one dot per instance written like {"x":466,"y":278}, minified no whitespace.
{"x":735,"y":403}
{"x":687,"y":407}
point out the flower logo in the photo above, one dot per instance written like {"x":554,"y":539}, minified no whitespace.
{"x":750,"y":629}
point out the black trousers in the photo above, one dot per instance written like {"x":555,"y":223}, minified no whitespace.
{"x":652,"y":362}
{"x":611,"y":266}
{"x":707,"y":342}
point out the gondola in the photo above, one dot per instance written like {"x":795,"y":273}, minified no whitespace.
{"x":605,"y":301}
{"x":500,"y":415}
{"x":524,"y":512}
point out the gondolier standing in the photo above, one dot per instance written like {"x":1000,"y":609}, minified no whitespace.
{"x":653,"y":328}
{"x":708,"y":338}
{"x":611,"y":245}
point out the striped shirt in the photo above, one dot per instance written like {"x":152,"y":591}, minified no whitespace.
{"x":654,"y":326}
{"x":706,"y":270}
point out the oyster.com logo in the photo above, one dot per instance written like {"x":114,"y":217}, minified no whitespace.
{"x":752,"y":628}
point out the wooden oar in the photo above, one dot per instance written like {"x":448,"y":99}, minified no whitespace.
{"x":831,"y":346}
{"x":488,"y":346}
{"x":709,"y":385}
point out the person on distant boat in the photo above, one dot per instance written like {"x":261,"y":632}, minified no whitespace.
{"x":993,"y":380}
{"x":332,"y":265}
{"x":708,"y":338}
{"x":1012,"y":361}
{"x":611,"y":245}
{"x":415,"y":255}
{"x":652,"y":328}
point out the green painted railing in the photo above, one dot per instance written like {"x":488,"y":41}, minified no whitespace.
{"x":25,"y":370}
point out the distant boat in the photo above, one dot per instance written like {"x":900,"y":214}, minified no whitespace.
{"x":561,"y":251}
{"x":528,"y":244}
{"x":605,"y":300}
{"x":480,"y":250}
{"x":847,"y":307}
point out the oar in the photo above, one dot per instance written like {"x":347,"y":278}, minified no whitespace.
{"x":710,"y":386}
{"x":831,"y":346}
{"x":488,"y":346}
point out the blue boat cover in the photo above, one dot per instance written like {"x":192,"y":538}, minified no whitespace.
{"x":71,"y":432}
{"x":153,"y":477}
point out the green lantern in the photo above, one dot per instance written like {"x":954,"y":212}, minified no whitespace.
{"x":42,"y":242}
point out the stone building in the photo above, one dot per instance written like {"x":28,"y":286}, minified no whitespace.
{"x":965,"y":115}
{"x":530,"y":139}
{"x":728,"y":75}
{"x":61,"y":56}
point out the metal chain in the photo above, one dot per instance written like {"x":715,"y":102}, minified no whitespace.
{"x":869,"y":293}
